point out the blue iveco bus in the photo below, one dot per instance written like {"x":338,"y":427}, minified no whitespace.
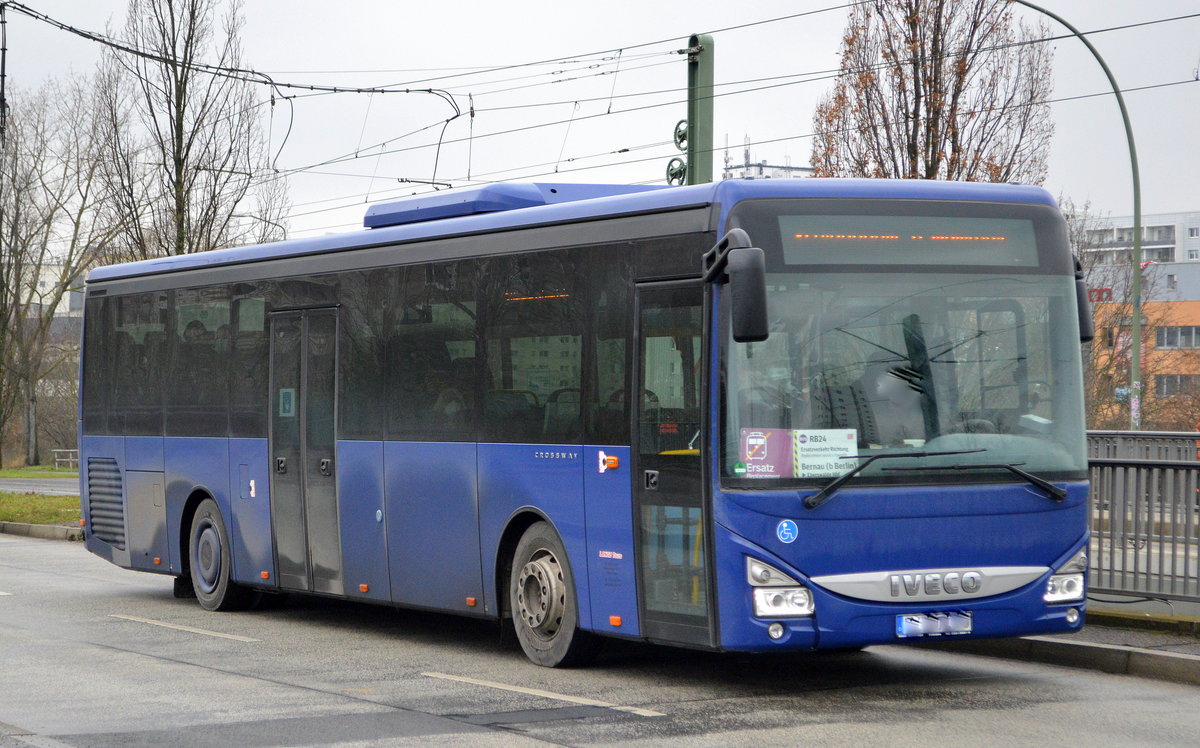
{"x":748,"y":416}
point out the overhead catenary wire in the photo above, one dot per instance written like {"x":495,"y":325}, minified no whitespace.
{"x":315,"y":89}
{"x":768,"y":141}
{"x":828,"y":74}
{"x":655,"y":145}
{"x":263,"y":78}
{"x":254,"y":76}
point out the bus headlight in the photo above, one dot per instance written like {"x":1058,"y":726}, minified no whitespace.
{"x":776,"y":595}
{"x":782,"y":602}
{"x":1067,"y":583}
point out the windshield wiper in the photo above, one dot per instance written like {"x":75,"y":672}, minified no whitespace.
{"x":1056,"y":493}
{"x":820,"y":497}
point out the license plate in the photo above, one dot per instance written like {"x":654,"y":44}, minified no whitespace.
{"x":933,"y":624}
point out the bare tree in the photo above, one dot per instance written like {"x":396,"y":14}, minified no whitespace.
{"x":22,"y":223}
{"x":184,"y":159}
{"x":51,"y":233}
{"x":936,"y":89}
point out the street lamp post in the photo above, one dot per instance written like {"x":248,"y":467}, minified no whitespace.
{"x":1135,"y":317}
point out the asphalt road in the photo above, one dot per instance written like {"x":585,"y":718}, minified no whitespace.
{"x":94,"y":655}
{"x":49,"y":486}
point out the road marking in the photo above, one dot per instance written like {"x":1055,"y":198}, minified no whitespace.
{"x":188,"y":629}
{"x":5,"y":594}
{"x":548,"y":694}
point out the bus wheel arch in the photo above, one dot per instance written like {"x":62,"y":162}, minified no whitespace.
{"x":185,"y":527}
{"x":207,"y":554}
{"x":543,"y":600}
{"x":506,"y":549}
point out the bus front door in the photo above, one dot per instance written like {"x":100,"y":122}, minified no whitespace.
{"x":669,"y":510}
{"x":304,"y":514}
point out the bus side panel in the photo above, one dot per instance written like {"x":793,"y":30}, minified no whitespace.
{"x":145,"y":511}
{"x":432,"y":518}
{"x":196,"y":464}
{"x":250,"y":526}
{"x":612,"y":577}
{"x":109,"y":452}
{"x":144,"y":453}
{"x":547,"y":478}
{"x":361,"y":518}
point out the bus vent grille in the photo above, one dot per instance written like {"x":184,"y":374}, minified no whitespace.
{"x":106,"y":504}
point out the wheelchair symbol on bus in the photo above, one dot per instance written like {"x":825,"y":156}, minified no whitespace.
{"x":787,"y":531}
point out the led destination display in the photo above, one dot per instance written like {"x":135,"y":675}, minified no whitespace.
{"x":826,"y":239}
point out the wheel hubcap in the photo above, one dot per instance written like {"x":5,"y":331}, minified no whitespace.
{"x":206,"y":558}
{"x":541,"y":594}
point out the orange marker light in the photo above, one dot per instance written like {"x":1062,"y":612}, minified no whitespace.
{"x":266,"y":575}
{"x":83,"y":523}
{"x":157,"y":560}
{"x":471,"y":602}
{"x":364,"y":588}
{"x":614,"y":620}
{"x":612,"y":463}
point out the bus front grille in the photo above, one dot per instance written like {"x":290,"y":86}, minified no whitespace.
{"x":106,"y":505}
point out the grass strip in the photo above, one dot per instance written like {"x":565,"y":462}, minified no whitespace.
{"x":39,"y":509}
{"x":40,"y":471}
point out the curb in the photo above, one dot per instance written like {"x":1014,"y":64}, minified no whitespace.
{"x":1106,"y":658}
{"x":1143,"y":620}
{"x":45,"y":532}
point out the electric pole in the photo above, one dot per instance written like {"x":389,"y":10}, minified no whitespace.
{"x":694,"y":135}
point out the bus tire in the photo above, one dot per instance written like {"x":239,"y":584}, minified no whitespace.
{"x":542,"y":599}
{"x":210,"y":561}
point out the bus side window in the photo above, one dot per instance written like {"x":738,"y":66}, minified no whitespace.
{"x":136,"y":408}
{"x":248,"y":363}
{"x":198,"y":394}
{"x":534,"y":347}
{"x":609,"y":270}
{"x":429,"y":353}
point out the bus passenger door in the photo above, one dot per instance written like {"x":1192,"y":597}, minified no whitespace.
{"x":304,"y":514}
{"x":669,"y":504}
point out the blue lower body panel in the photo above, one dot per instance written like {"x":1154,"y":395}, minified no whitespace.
{"x":361,"y":519}
{"x":432,"y":518}
{"x":546,"y":480}
{"x":611,"y":583}
{"x":250,"y":492}
{"x":196,"y":465}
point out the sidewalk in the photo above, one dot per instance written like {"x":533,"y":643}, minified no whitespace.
{"x":1147,"y":645}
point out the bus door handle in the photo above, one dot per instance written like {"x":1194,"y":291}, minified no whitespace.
{"x":281,"y":465}
{"x":651,"y":477}
{"x":326,"y":467}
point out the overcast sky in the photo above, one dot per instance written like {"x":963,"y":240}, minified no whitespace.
{"x":575,"y":116}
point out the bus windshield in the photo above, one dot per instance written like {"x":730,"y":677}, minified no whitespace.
{"x":982,"y":364}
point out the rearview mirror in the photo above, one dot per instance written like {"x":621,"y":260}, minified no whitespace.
{"x":747,"y":269}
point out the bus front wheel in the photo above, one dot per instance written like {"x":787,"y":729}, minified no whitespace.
{"x":542,"y":599}
{"x":210,"y":561}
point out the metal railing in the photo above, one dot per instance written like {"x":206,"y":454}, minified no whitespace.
{"x":1145,"y":514}
{"x":1143,"y":445}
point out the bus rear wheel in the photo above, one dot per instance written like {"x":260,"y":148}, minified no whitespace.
{"x":211,"y":563}
{"x":542,"y":600}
